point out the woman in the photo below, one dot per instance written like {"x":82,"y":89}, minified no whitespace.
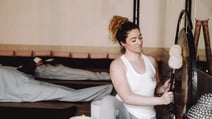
{"x":135,"y":75}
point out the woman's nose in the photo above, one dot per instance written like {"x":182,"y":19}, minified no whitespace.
{"x":139,"y":41}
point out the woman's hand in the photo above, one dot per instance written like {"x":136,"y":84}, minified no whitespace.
{"x":166,"y":86}
{"x":167,"y":97}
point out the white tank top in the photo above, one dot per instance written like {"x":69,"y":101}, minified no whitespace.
{"x":141,"y":84}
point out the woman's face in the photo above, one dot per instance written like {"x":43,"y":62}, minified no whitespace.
{"x":134,"y":41}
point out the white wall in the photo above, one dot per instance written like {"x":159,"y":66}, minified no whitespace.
{"x":59,"y":22}
{"x":159,"y":20}
{"x":85,"y":22}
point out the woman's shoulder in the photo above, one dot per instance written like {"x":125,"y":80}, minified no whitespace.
{"x":116,"y":61}
{"x":117,"y":66}
{"x":151,"y":58}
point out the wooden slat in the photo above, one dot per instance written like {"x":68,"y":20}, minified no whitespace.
{"x":60,"y":53}
{"x":79,"y":55}
{"x":42,"y":53}
{"x":23,"y":53}
{"x":6,"y":53}
{"x":113,"y":55}
{"x":94,"y":55}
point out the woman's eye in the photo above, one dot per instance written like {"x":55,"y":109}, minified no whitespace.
{"x":133,"y":40}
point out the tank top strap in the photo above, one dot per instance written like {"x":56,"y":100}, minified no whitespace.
{"x":125,"y":61}
{"x":149,"y":64}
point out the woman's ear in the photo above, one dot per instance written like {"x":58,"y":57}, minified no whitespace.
{"x":122,"y":44}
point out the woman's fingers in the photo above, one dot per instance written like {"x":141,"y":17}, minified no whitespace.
{"x":168,"y":97}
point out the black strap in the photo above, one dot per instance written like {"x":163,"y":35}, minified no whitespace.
{"x":188,"y":23}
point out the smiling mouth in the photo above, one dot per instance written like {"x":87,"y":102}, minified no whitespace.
{"x":139,"y":47}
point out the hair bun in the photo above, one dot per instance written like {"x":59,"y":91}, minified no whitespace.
{"x":115,"y":25}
